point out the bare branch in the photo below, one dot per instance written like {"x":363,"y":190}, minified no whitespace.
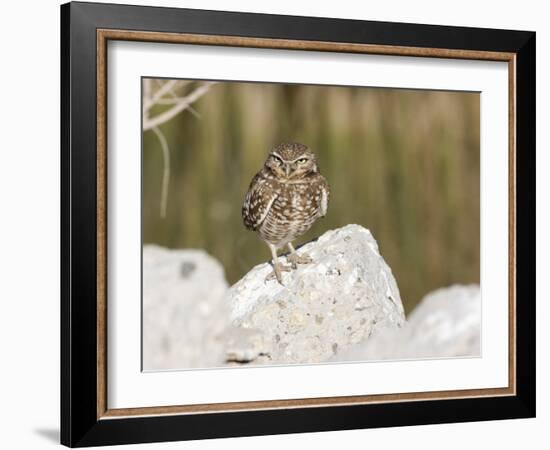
{"x":182,"y":104}
{"x":170,"y":101}
{"x":161,"y":92}
{"x":147,"y":89}
{"x":178,"y":103}
{"x":194,"y":112}
{"x":166,"y":173}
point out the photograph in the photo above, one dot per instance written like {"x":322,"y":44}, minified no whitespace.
{"x":292,"y":224}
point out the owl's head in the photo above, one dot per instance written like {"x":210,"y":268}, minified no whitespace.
{"x":291,"y":161}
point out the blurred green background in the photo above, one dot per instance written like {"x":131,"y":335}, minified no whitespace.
{"x":403,"y":163}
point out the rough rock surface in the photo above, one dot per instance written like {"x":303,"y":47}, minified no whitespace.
{"x":322,"y":308}
{"x":184,"y":313}
{"x":446,"y":323}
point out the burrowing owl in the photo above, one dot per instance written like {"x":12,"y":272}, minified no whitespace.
{"x":284,"y":199}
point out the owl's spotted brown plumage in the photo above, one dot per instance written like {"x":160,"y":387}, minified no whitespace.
{"x":284,"y":199}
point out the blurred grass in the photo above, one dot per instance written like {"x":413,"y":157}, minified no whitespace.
{"x":403,"y":163}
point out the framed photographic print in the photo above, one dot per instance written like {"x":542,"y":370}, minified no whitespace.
{"x":276,"y":224}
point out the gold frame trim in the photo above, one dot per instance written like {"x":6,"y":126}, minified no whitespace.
{"x":103,"y":36}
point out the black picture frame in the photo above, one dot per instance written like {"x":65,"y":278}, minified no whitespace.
{"x":80,"y":424}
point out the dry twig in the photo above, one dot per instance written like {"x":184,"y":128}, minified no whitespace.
{"x":168,"y":93}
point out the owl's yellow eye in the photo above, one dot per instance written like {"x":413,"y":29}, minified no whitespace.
{"x":277,"y":159}
{"x":302,"y":160}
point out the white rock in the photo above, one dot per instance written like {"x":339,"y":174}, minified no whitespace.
{"x":243,"y":345}
{"x":324,"y":307}
{"x":184,"y":314}
{"x":446,"y":323}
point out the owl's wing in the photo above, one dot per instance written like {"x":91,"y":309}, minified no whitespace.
{"x":325,"y":194}
{"x":258,"y":201}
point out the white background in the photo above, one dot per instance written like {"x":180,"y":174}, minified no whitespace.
{"x":29,"y":229}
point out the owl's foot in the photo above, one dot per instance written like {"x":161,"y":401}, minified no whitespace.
{"x":278,"y":269}
{"x":294,"y":259}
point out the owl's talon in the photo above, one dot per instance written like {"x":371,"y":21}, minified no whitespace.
{"x":278,"y":268}
{"x":294,"y":259}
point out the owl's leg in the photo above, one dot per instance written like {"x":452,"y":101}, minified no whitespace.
{"x":294,"y":259}
{"x":278,"y":267}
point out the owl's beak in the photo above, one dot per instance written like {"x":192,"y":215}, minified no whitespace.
{"x":287,"y":169}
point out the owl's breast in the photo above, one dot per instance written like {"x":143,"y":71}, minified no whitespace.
{"x":292,"y":213}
